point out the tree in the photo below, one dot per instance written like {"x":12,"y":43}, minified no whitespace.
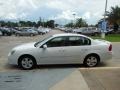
{"x":8,"y":24}
{"x":69,"y":25}
{"x":56,"y":25}
{"x":114,"y":15}
{"x":50,"y":23}
{"x":21,"y":23}
{"x":80,"y":23}
{"x":39,"y":23}
{"x":27,"y":24}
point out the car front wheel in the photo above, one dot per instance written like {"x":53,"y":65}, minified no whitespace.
{"x":27,"y":63}
{"x":91,"y":61}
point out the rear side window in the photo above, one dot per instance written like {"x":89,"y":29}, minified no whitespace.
{"x":78,"y":41}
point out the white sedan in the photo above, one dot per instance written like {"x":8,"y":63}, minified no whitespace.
{"x":61,"y":49}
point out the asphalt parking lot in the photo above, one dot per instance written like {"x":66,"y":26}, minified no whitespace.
{"x":103,"y":77}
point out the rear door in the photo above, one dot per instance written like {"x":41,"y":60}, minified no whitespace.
{"x":76,"y":48}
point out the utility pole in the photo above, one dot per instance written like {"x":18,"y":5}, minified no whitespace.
{"x":103,"y":32}
{"x":40,"y":21}
{"x":74,"y":19}
{"x":43,"y":23}
{"x":19,"y":24}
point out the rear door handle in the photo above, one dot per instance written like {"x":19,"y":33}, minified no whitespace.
{"x":84,"y":49}
{"x":61,"y":50}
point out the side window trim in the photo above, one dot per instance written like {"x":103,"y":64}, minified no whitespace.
{"x":89,"y":43}
{"x":52,"y":39}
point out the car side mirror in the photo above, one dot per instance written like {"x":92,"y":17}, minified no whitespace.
{"x":44,"y":46}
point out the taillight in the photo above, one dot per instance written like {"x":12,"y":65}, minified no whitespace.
{"x":110,"y":47}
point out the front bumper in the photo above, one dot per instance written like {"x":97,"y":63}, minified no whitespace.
{"x":12,"y":59}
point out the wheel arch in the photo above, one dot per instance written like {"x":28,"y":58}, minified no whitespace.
{"x":94,"y":54}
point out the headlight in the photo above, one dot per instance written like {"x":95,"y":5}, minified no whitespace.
{"x":12,"y":52}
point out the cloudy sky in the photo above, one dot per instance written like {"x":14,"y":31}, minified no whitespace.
{"x":60,"y":10}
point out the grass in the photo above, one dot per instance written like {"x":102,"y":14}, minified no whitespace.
{"x":110,"y":37}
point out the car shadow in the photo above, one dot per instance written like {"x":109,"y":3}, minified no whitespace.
{"x":11,"y":67}
{"x":102,"y":64}
{"x":58,"y":66}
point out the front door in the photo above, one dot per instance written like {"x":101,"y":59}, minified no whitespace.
{"x":55,"y":51}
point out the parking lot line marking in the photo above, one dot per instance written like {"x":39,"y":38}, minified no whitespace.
{"x":102,"y":68}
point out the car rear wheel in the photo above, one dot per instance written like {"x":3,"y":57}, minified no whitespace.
{"x":27,"y":62}
{"x":91,"y":60}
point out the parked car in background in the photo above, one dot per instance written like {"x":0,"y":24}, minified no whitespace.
{"x":61,"y":49}
{"x":26,"y":32}
{"x":68,"y":30}
{"x":115,"y":31}
{"x":43,"y":30}
{"x":92,"y":31}
{"x":5,"y":31}
{"x":108,"y":31}
{"x":62,"y":28}
{"x":0,"y":33}
{"x":78,"y":30}
{"x":14,"y":30}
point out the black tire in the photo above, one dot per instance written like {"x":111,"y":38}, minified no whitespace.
{"x":95,"y":34}
{"x":91,"y":60}
{"x":17,"y":34}
{"x":26,"y":62}
{"x":31,"y":35}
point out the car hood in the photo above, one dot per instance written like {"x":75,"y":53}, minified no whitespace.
{"x":25,"y":46}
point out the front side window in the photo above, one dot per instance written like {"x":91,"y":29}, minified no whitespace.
{"x":56,"y":42}
{"x":37,"y":43}
{"x":78,"y":41}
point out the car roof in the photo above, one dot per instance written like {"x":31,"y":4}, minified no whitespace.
{"x":69,"y":34}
